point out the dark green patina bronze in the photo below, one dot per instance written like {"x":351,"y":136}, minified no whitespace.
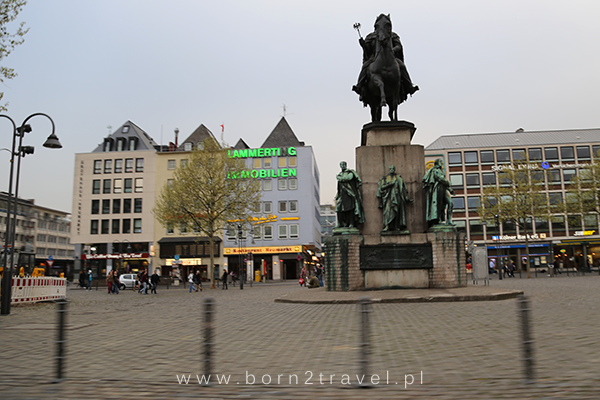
{"x":396,"y":256}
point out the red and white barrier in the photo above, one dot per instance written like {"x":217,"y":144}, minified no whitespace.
{"x":31,"y":290}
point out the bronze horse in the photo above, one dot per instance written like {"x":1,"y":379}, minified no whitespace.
{"x":384,"y":80}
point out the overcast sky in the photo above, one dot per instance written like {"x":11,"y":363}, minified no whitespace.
{"x":482,"y":66}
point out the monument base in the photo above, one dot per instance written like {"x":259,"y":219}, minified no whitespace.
{"x":392,"y":233}
{"x":342,"y":263}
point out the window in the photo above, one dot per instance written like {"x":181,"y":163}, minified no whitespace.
{"x":107,"y":166}
{"x":126,"y":226}
{"x":472,"y":180}
{"x":106,"y":206}
{"x":171,"y":164}
{"x":170,"y":229}
{"x":487,"y":157}
{"x":125,"y":129}
{"x":268,"y":232}
{"x":488,"y":178}
{"x":97,"y":166}
{"x":132,"y":142}
{"x":456,"y":180}
{"x":454,"y":159}
{"x":126,"y":206}
{"x":596,"y":151}
{"x":459,"y":203}
{"x":119,"y":144}
{"x":553,"y":176}
{"x":257,"y":163}
{"x":268,"y":207}
{"x":475,"y":227}
{"x":590,"y":222}
{"x":282,"y":232}
{"x":567,"y":154}
{"x":471,"y":158}
{"x":183,"y":162}
{"x":473,"y":202}
{"x":41,"y":238}
{"x":170,"y":182}
{"x":116,"y":206}
{"x":231,"y":234}
{"x":292,"y":183}
{"x":137,"y":205}
{"x":137,"y":225}
{"x":283,"y":206}
{"x":537,"y":177}
{"x":556,"y":200}
{"x":293,"y":206}
{"x":105,"y":225}
{"x":129,"y":165}
{"x":294,"y":234}
{"x":106,"y":186}
{"x":583,"y":153}
{"x":503,"y":156}
{"x":568,"y":174}
{"x":95,"y":206}
{"x":182,"y":227}
{"x":117,"y":186}
{"x":94,"y":227}
{"x":558,"y":225}
{"x":128,"y":183}
{"x":257,"y":232}
{"x":460,"y":225}
{"x":139,"y":165}
{"x":115,"y":225}
{"x":551,"y":153}
{"x":187,"y":146}
{"x":139,"y":185}
{"x":118,"y":166}
{"x":107,"y":145}
{"x":535,"y":154}
{"x":282,"y":162}
{"x":267,"y":162}
{"x":282,"y":184}
{"x":518,"y":154}
{"x":292,"y":161}
{"x":574,"y":223}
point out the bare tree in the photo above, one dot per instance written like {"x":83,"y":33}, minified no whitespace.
{"x":206,"y":193}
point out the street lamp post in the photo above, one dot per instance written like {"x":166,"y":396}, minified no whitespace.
{"x":51,"y":142}
{"x":498,"y":259}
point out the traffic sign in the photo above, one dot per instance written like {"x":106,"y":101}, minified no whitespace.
{"x":177,"y":256}
{"x":50,"y":258}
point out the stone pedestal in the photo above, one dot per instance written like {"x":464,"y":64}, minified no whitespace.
{"x":342,"y":263}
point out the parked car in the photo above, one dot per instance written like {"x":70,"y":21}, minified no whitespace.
{"x":127,"y":281}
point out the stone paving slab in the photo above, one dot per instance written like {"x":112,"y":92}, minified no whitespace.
{"x":468,"y":293}
{"x":138,"y":346}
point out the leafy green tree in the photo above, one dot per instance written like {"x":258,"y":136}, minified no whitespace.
{"x":517,"y":197}
{"x":583,"y":193}
{"x":9,"y":10}
{"x":208,"y":192}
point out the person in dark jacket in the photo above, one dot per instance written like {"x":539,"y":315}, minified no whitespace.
{"x":154,"y":280}
{"x":144,"y":282}
{"x":224,"y":280}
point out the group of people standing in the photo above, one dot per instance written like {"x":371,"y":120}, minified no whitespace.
{"x":315,"y":280}
{"x":195,"y":281}
{"x":112,"y":281}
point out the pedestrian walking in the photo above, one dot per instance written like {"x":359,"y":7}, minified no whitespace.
{"x":224,"y":279}
{"x":110,"y":280}
{"x":198,"y":280}
{"x":303,"y":275}
{"x":320,"y":275}
{"x":191,"y":282}
{"x":154,"y":281}
{"x":90,"y":278}
{"x":82,"y":279}
{"x":116,"y":282}
{"x":144,"y":281}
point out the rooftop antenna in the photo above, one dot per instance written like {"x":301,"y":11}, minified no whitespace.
{"x":109,"y":129}
{"x":176,"y":134}
{"x":285,"y":110}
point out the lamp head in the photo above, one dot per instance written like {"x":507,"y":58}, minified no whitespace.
{"x":52,"y":142}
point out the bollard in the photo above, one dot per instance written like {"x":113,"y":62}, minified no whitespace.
{"x":528,"y":361}
{"x":61,"y":340}
{"x":364,"y":310}
{"x":209,"y":309}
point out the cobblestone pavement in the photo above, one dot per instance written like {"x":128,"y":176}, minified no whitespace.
{"x":132,"y":346}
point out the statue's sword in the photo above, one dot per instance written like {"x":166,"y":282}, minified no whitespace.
{"x":357,"y":27}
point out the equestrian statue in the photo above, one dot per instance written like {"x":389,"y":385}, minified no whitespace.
{"x":384,"y":79}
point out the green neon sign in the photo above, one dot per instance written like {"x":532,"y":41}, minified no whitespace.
{"x":262,"y":152}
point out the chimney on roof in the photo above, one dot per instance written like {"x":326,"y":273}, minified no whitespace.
{"x":176,"y":133}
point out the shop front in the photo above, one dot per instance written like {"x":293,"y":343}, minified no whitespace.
{"x":268,"y":262}
{"x":540,"y":255}
{"x":578,"y":254}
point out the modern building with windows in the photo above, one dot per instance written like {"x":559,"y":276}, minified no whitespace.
{"x":180,"y":250}
{"x":286,"y":229}
{"x":328,"y":219}
{"x":113,"y":197}
{"x":472,"y":162}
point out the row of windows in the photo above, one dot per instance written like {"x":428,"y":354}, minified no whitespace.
{"x":116,"y":206}
{"x":117,"y":187}
{"x":282,"y":184}
{"x":475,"y":180}
{"x":554,"y":199}
{"x":559,"y":225}
{"x":52,"y":239}
{"x":118,"y":165}
{"x":115,"y":226}
{"x":122,"y":143}
{"x":285,"y":206}
{"x":282,"y":162}
{"x":42,"y":251}
{"x":265,"y":232}
{"x":503,"y":156}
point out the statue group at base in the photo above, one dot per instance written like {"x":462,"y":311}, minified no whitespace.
{"x":393,"y":198}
